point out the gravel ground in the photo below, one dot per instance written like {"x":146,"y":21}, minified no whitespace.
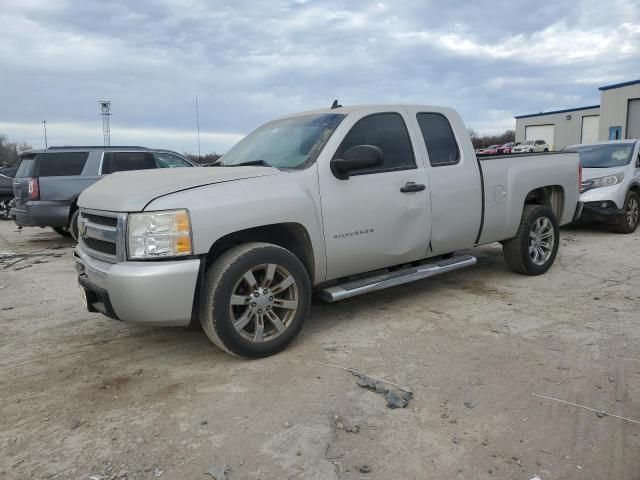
{"x":85,"y":397}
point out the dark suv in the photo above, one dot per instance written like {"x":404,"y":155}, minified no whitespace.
{"x":49,"y":182}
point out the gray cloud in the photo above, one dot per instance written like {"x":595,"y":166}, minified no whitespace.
{"x":252,"y":60}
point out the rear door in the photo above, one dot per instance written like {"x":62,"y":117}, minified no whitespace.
{"x":454,"y":181}
{"x":60,"y":175}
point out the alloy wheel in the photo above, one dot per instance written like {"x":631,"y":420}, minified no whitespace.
{"x":264,"y":302}
{"x":541,"y":241}
{"x":632,"y":212}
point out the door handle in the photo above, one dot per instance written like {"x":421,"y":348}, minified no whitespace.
{"x":412,"y":187}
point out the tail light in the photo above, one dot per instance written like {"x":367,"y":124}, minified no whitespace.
{"x":34,"y":189}
{"x":579,"y":175}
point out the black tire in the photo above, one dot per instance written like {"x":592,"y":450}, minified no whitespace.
{"x":74,"y":229}
{"x":516,"y":250}
{"x":62,"y":231}
{"x":531,"y":150}
{"x":222,"y":278}
{"x":626,"y":222}
{"x":546,"y":149}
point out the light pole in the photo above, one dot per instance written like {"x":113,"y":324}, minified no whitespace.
{"x":44,"y":126}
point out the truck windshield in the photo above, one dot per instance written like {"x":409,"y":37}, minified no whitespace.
{"x":290,"y":143}
{"x":604,"y":156}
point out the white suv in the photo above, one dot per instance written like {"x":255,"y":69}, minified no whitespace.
{"x":531,"y":146}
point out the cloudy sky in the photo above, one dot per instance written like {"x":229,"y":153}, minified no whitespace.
{"x":250,"y":60}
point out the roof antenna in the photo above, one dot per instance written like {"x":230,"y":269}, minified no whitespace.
{"x":335,"y":104}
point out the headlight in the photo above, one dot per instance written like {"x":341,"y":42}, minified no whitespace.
{"x":159,"y":234}
{"x":600,"y":182}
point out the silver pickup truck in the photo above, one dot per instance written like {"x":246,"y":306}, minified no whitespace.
{"x":341,"y":201}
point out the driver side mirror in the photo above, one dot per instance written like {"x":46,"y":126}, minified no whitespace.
{"x":356,"y":158}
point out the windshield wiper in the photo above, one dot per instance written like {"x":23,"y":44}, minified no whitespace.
{"x":261,"y":163}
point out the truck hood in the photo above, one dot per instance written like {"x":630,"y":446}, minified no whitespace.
{"x":132,"y":191}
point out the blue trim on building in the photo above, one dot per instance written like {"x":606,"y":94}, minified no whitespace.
{"x":619,"y":85}
{"x":557,"y":111}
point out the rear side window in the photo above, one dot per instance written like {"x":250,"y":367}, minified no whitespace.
{"x":61,"y":164}
{"x":386,"y":131}
{"x":26,"y":167}
{"x":439,"y":139}
{"x":124,"y":161}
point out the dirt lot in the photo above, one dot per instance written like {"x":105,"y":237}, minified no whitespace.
{"x":83,"y":396}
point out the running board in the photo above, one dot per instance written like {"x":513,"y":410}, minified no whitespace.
{"x":392,"y":279}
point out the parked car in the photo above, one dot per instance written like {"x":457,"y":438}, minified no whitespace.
{"x":48,"y":182}
{"x":531,"y":146}
{"x":490,"y":150}
{"x":343,"y":201}
{"x":506,"y":148}
{"x":610,"y":187}
{"x":6,"y":191}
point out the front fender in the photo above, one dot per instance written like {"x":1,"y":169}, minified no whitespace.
{"x":225,"y":208}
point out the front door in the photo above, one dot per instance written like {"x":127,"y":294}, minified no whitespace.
{"x":377,"y":217}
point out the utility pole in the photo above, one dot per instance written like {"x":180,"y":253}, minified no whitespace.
{"x":198,"y":125}
{"x":44,"y":126}
{"x":105,"y":111}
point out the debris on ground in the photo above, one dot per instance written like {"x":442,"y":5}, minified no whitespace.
{"x":470,"y":404}
{"x":396,"y":397}
{"x":218,"y":473}
{"x":598,"y":412}
{"x":365,"y":468}
{"x":157,"y":472}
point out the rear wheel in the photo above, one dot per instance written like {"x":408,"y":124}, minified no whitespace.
{"x":628,"y":221}
{"x":256,"y":299}
{"x":534,"y":248}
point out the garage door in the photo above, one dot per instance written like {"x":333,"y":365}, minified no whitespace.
{"x":633,"y":119}
{"x":590,"y":125}
{"x":540,"y":132}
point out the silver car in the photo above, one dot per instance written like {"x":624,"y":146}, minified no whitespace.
{"x":610,"y":186}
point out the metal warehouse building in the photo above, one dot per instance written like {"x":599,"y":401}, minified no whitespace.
{"x":617,"y":117}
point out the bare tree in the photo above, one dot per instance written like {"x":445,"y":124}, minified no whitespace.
{"x":9,"y":151}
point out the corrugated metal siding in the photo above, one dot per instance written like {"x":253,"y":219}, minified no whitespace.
{"x":566,"y":132}
{"x":613,"y":109}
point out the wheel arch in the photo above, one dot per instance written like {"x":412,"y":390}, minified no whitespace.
{"x":551,"y":196}
{"x":290,"y":235}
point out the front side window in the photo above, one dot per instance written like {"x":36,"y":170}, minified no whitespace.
{"x":61,"y":164}
{"x":125,"y":161}
{"x":170,"y":160}
{"x":290,"y":143}
{"x":386,"y":131}
{"x":439,"y":139}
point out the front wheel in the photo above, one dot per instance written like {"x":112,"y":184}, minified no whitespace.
{"x":629,"y":219}
{"x":256,"y":299}
{"x":534,"y":248}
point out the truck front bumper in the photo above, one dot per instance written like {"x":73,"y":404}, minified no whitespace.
{"x":156,"y":293}
{"x":42,"y":214}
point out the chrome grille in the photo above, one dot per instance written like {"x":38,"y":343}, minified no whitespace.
{"x":102,"y":234}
